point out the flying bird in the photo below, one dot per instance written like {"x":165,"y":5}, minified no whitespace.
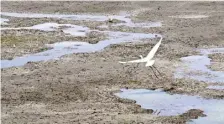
{"x":148,"y":58}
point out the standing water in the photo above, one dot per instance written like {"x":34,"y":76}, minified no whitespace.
{"x":69,"y":47}
{"x":64,"y":48}
{"x":196,"y":67}
{"x":171,"y":105}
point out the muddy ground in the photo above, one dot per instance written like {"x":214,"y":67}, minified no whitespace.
{"x":217,"y":62}
{"x":79,"y":88}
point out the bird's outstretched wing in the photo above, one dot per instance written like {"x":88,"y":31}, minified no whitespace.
{"x":148,"y":57}
{"x":133,"y":61}
{"x":154,"y":49}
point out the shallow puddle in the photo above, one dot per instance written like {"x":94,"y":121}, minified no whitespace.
{"x":3,"y":21}
{"x":73,"y":30}
{"x":69,"y":47}
{"x":125,"y":20}
{"x":59,"y":16}
{"x":168,"y":105}
{"x":196,"y":67}
{"x":63,"y":48}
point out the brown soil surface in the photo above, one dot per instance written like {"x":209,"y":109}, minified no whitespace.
{"x":79,"y":88}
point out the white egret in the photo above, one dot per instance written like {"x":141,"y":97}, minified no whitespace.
{"x":148,"y":58}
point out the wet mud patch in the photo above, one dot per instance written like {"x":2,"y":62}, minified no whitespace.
{"x":194,"y":87}
{"x":93,"y":71}
{"x":217,"y":61}
{"x":93,"y":36}
{"x":15,"y":22}
{"x":216,"y":66}
{"x":217,"y":57}
{"x":77,"y":47}
{"x":167,"y":50}
{"x":112,"y":21}
{"x":22,"y":42}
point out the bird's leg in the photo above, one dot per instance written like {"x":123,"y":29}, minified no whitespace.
{"x":154,"y":72}
{"x":136,"y":71}
{"x":157,"y":70}
{"x":141,"y":56}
